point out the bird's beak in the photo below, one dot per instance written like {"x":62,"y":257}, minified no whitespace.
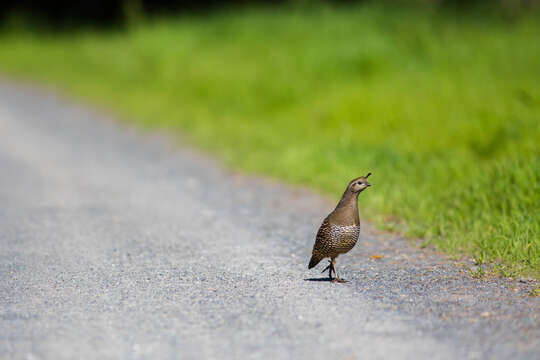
{"x":368,"y":184}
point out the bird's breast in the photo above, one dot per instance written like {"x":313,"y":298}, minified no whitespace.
{"x":344,"y":237}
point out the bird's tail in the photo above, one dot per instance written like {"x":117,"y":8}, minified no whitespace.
{"x":314,"y":261}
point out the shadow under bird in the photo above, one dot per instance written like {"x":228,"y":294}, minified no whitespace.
{"x":340,"y":229}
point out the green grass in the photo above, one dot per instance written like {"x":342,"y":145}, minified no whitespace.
{"x":443,"y":109}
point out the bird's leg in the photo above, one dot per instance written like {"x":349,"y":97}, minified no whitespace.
{"x":337,"y":278}
{"x":330,"y":268}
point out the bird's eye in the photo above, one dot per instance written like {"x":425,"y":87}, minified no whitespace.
{"x":359,"y":183}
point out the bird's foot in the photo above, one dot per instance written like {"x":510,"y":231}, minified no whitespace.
{"x":331,"y":269}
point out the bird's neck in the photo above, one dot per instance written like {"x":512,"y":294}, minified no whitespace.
{"x":348,"y":199}
{"x":347,"y":208}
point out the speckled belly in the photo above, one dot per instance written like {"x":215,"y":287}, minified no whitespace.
{"x":343,"y":238}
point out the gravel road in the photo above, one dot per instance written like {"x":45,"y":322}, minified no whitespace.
{"x":120,"y":245}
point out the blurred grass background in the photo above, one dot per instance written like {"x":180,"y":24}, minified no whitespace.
{"x":442,"y":107}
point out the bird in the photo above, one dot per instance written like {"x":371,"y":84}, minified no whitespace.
{"x":340,"y":230}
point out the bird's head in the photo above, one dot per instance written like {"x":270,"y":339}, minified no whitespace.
{"x":359,"y":184}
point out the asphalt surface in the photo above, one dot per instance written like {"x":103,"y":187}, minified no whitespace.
{"x":119,"y":245}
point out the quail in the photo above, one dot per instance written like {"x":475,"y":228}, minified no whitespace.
{"x":340,"y":229}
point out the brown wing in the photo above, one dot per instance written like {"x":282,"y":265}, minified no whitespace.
{"x":322,"y":243}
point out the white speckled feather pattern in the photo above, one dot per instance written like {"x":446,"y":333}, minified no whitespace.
{"x":333,"y":239}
